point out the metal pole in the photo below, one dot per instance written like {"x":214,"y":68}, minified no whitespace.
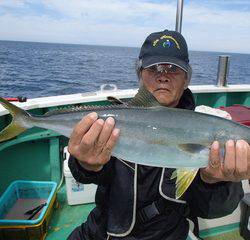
{"x":179,"y":12}
{"x":223,"y":67}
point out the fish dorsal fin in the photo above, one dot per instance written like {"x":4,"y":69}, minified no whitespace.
{"x":143,"y":99}
{"x":115,"y":101}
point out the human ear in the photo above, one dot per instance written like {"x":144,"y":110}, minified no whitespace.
{"x":186,"y":83}
{"x":188,"y":77}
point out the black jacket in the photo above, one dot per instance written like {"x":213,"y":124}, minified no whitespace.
{"x":125,"y":188}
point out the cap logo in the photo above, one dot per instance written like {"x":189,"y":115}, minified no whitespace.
{"x":168,"y":43}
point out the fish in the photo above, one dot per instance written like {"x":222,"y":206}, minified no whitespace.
{"x":150,"y":134}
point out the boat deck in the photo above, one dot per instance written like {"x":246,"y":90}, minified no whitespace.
{"x":65,"y":217}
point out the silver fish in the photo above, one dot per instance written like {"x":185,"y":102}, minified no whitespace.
{"x":151,"y":134}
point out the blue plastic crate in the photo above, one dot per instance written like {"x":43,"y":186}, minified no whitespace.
{"x":25,"y":190}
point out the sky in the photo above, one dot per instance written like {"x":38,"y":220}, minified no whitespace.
{"x":208,"y":25}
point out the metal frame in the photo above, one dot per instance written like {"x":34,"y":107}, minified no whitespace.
{"x":179,"y":13}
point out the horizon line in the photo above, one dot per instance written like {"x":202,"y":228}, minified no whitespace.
{"x":87,"y":44}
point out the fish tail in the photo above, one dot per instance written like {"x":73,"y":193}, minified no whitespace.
{"x":16,"y":127}
{"x":184,"y":178}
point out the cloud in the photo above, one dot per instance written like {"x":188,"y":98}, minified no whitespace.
{"x":207,"y":26}
{"x":217,"y":29}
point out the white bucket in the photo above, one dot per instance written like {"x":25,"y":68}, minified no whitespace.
{"x":77,"y":193}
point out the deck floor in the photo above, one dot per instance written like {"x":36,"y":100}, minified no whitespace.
{"x":65,"y":218}
{"x":234,"y":235}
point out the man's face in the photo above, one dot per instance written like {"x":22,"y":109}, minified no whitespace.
{"x":166,"y":82}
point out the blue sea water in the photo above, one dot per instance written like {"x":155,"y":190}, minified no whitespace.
{"x":45,"y":69}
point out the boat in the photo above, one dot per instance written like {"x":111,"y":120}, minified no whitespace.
{"x":38,"y":154}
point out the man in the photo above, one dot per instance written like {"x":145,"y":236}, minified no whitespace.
{"x":138,"y":202}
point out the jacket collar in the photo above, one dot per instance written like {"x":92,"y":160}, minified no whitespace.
{"x":187,"y":100}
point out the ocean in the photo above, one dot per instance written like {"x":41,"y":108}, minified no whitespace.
{"x":47,"y":69}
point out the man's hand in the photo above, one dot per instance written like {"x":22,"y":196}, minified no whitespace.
{"x":234,"y":167}
{"x":92,"y":141}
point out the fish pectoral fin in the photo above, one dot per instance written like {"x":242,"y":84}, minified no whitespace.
{"x":115,"y":101}
{"x":143,"y":99}
{"x":184,"y":178}
{"x":192,"y":147}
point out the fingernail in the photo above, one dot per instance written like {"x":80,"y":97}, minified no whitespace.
{"x":110,"y":121}
{"x":93,"y":115}
{"x":230,"y":143}
{"x":241,"y":144}
{"x":100,"y":121}
{"x":215,"y":145}
{"x":238,"y":143}
{"x":116,"y":131}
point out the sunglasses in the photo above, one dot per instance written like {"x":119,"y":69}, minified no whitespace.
{"x":163,"y":68}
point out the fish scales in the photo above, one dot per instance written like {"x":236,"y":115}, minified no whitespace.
{"x":164,"y":132}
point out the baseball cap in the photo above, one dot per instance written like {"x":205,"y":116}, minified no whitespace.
{"x":165,"y":47}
